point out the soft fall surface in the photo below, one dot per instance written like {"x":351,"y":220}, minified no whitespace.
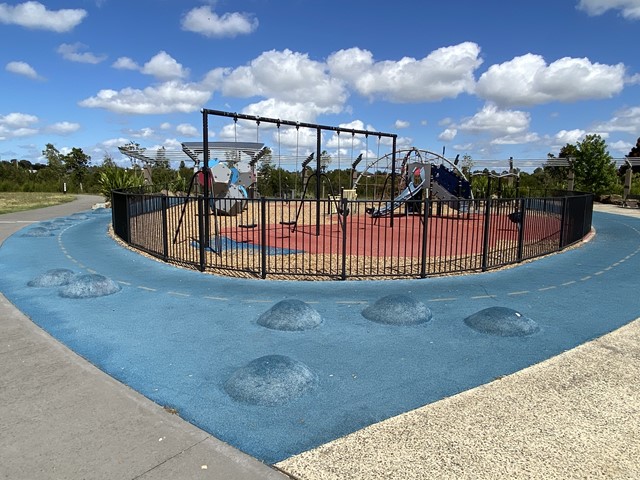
{"x":179,"y":336}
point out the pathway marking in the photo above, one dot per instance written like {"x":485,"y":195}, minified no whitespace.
{"x":215,"y":298}
{"x":147,"y":288}
{"x":544,"y":289}
{"x":568,"y":283}
{"x":450,"y":299}
{"x":521,"y":292}
{"x":479,"y":297}
{"x":178,"y":294}
{"x":584,"y":279}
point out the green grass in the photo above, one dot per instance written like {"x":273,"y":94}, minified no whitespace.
{"x":20,"y":201}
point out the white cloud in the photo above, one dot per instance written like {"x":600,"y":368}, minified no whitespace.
{"x":289,"y":77}
{"x":125,"y":63}
{"x":497,"y":122}
{"x":568,"y":136}
{"x":528,"y":80}
{"x":16,"y":125}
{"x":167,"y":97}
{"x":630,"y":9}
{"x":164,"y":67}
{"x":187,"y":130}
{"x":63,"y":128}
{"x":165,"y":126}
{"x":36,"y":16}
{"x":444,"y":73}
{"x":22,"y":68}
{"x":208,"y":23}
{"x":448,"y":134}
{"x":402,"y":124}
{"x":72,"y":53}
{"x":621,"y":146}
{"x":115,"y":142}
{"x":17,"y":120}
{"x":626,"y":120}
{"x":145,"y":132}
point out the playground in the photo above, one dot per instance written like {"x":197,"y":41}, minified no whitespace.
{"x":422,"y":220}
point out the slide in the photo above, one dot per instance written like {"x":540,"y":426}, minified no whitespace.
{"x":404,"y":196}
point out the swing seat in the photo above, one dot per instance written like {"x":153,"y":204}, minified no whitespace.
{"x":250,"y":225}
{"x":288,"y":223}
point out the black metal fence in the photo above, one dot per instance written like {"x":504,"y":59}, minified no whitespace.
{"x":288,"y":239}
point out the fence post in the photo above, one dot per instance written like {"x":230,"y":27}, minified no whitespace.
{"x":563,"y":218}
{"x":485,"y":236}
{"x":263,"y":238}
{"x":521,"y":224}
{"x":201,"y":232}
{"x":426,"y":207}
{"x":165,"y":230}
{"x":345,"y":213}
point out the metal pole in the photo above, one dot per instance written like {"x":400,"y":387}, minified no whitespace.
{"x":263,"y":237}
{"x":205,"y":176}
{"x":393,"y":178}
{"x":425,"y":237}
{"x":318,"y":153}
{"x":344,"y":207}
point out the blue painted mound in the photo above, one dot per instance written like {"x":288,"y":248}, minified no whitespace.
{"x":290,"y":315}
{"x":503,"y":322}
{"x":398,"y":310}
{"x":48,"y":225}
{"x":52,"y":278}
{"x":89,"y":286}
{"x":79,"y":216}
{"x":270,"y":380}
{"x":60,"y":221}
{"x":38,"y":232}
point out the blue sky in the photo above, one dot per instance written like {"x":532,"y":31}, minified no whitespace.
{"x":491,"y":79}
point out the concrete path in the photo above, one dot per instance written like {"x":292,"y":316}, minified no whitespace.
{"x":62,"y":418}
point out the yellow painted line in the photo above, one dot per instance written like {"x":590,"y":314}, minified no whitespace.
{"x":179,"y":294}
{"x":544,"y":289}
{"x":216,"y":298}
{"x":479,"y":297}
{"x":568,"y":283}
{"x":521,"y":292}
{"x":147,"y":288}
{"x":451,"y":299}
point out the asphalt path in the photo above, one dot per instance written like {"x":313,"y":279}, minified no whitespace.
{"x":178,"y":336}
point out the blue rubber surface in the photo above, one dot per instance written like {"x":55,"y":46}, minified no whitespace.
{"x":178,"y":336}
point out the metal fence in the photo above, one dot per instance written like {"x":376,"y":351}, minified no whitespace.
{"x":292,"y":239}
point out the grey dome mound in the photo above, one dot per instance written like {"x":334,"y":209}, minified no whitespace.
{"x":270,"y":380}
{"x":52,"y":278}
{"x":502,"y":321}
{"x":398,"y":310}
{"x":38,"y":232}
{"x":290,"y":315}
{"x":89,"y":286}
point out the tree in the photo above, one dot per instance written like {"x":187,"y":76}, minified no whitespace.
{"x":107,"y":161}
{"x":54,"y":160}
{"x":593,"y":166}
{"x":77,"y":165}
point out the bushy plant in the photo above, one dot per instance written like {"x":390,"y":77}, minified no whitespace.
{"x":115,"y":178}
